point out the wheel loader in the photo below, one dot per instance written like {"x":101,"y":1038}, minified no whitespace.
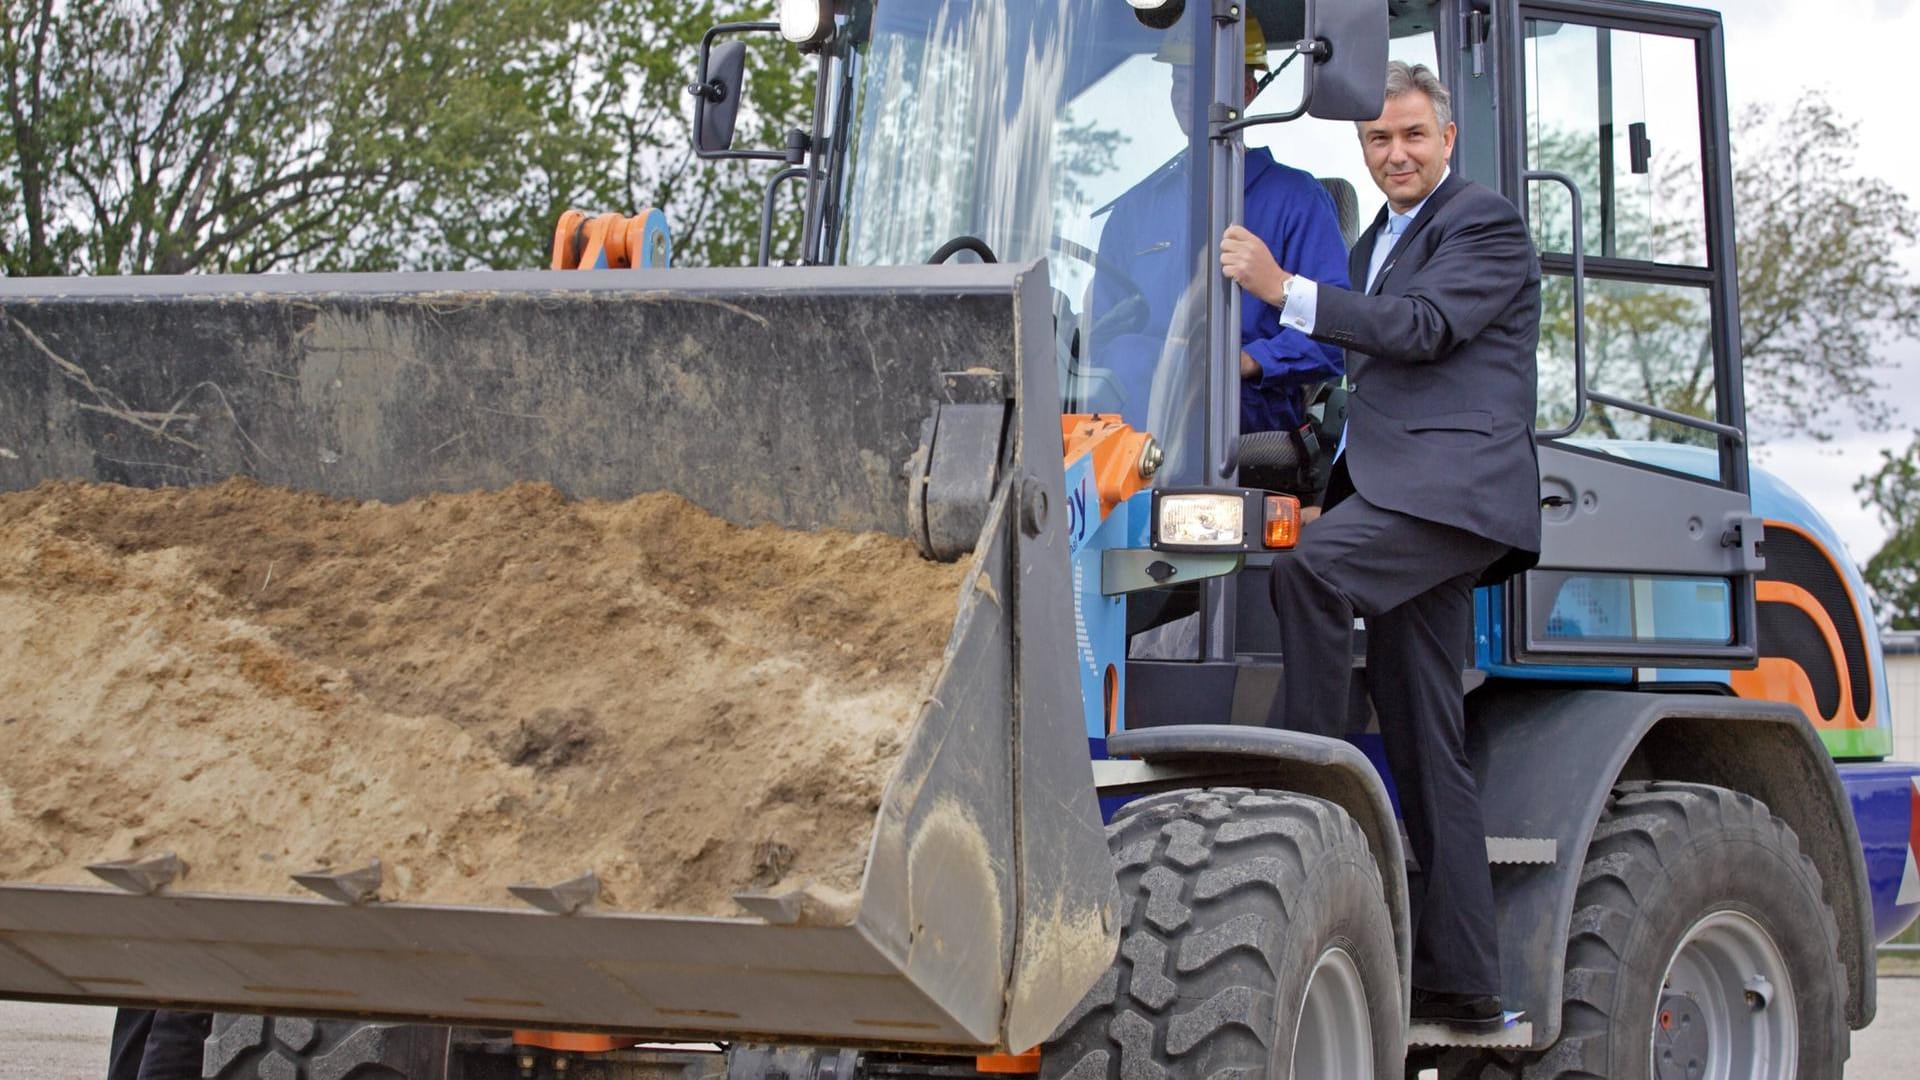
{"x":1099,"y":853}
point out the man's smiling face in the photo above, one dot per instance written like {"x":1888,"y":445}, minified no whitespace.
{"x":1406,"y":149}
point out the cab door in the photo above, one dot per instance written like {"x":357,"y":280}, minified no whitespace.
{"x":1615,"y":146}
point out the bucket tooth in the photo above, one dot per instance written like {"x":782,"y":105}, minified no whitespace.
{"x":778,"y":909}
{"x":563,"y":898}
{"x":144,"y":876}
{"x":357,"y":886}
{"x":806,"y":906}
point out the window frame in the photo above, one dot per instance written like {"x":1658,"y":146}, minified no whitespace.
{"x":1719,"y":277}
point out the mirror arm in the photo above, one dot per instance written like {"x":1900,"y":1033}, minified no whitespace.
{"x":1319,"y":50}
{"x":1231,"y":126}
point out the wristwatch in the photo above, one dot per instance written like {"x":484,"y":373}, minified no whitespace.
{"x":1286,"y":292}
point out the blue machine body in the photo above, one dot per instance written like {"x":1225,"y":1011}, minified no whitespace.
{"x":1885,"y":796}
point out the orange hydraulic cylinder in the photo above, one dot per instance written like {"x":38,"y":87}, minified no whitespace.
{"x":572,"y":1042}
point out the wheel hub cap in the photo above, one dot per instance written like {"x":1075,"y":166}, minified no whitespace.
{"x":1335,"y":1038}
{"x":1727,"y":1008}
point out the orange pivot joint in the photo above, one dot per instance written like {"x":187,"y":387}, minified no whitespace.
{"x":611,"y":241}
{"x":1123,"y":459}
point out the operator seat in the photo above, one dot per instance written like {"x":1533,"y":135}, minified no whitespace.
{"x":1346,"y":207}
{"x":1298,"y":463}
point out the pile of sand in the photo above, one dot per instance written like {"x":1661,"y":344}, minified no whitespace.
{"x":476,"y":689}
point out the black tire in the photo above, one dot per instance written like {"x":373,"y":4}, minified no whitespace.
{"x":285,"y":1048}
{"x":1231,"y":897}
{"x":1475,"y":1065}
{"x":1664,"y":858}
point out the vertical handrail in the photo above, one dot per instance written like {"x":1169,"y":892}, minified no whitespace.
{"x":1223,"y":331}
{"x":1579,"y":302}
{"x":766,"y":211}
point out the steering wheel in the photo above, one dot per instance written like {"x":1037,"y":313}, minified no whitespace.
{"x":1128,"y":316}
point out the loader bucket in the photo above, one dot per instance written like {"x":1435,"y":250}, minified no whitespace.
{"x":919,"y":402}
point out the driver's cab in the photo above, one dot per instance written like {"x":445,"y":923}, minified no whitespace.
{"x":1079,"y":131}
{"x":1108,"y":137}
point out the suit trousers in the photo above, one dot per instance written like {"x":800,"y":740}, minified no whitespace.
{"x":162,"y":1044}
{"x":1413,"y":582}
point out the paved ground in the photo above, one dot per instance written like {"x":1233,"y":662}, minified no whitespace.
{"x":53,"y":1042}
{"x":67,"y":1042}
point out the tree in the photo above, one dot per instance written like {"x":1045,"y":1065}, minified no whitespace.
{"x":1894,"y":571}
{"x":252,"y":135}
{"x":1822,"y":295}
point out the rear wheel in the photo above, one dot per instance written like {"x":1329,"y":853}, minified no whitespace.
{"x":1256,"y":944}
{"x":1701,"y":947}
{"x":287,"y":1048}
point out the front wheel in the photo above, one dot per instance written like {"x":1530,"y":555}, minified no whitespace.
{"x":242,"y":1047}
{"x":1701,"y":947}
{"x":1257,"y":943}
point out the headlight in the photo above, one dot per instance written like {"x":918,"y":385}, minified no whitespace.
{"x":802,"y":21}
{"x":1195,"y":520}
{"x":1224,"y":519}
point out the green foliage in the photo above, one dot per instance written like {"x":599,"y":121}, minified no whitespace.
{"x":250,"y":135}
{"x":1894,"y":571}
{"x":1822,"y":292}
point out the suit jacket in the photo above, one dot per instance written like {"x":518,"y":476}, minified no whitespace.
{"x":1441,"y":358}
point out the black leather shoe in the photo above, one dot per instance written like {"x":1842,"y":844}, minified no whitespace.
{"x":1473,"y":1014}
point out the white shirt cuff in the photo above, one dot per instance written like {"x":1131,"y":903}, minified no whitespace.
{"x":1303,"y":303}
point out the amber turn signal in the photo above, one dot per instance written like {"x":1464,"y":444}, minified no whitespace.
{"x":1282,"y":521}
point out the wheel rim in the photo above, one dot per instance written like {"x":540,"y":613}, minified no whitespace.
{"x":1726,"y":1010}
{"x":1334,"y":1040}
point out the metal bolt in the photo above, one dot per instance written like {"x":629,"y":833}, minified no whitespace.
{"x":1033,"y":507}
{"x":1151,"y":458}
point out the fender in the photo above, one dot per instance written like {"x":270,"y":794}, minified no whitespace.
{"x":1547,"y":760}
{"x":1182,"y":755}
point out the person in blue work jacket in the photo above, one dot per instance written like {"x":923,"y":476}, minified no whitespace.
{"x":1146,"y":238}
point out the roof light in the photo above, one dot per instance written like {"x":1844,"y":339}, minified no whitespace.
{"x":804,"y":21}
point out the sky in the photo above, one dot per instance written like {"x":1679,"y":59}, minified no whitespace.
{"x":1857,"y":51}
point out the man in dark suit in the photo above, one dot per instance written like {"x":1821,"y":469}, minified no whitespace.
{"x":1436,"y":488}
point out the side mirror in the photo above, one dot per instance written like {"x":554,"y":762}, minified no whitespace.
{"x":1348,"y":78}
{"x":717,"y":97}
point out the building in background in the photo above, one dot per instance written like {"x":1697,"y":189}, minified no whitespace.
{"x":1902,"y":648}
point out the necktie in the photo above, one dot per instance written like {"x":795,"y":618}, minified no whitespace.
{"x":1383,"y":245}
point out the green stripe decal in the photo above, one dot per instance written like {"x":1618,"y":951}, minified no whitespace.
{"x":1873,"y":742}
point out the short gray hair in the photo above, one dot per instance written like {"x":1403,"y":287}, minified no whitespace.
{"x":1404,"y":78}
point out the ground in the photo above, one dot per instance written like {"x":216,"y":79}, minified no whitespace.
{"x":67,"y":1042}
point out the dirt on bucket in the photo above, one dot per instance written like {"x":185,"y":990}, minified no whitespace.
{"x":477,"y":689}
